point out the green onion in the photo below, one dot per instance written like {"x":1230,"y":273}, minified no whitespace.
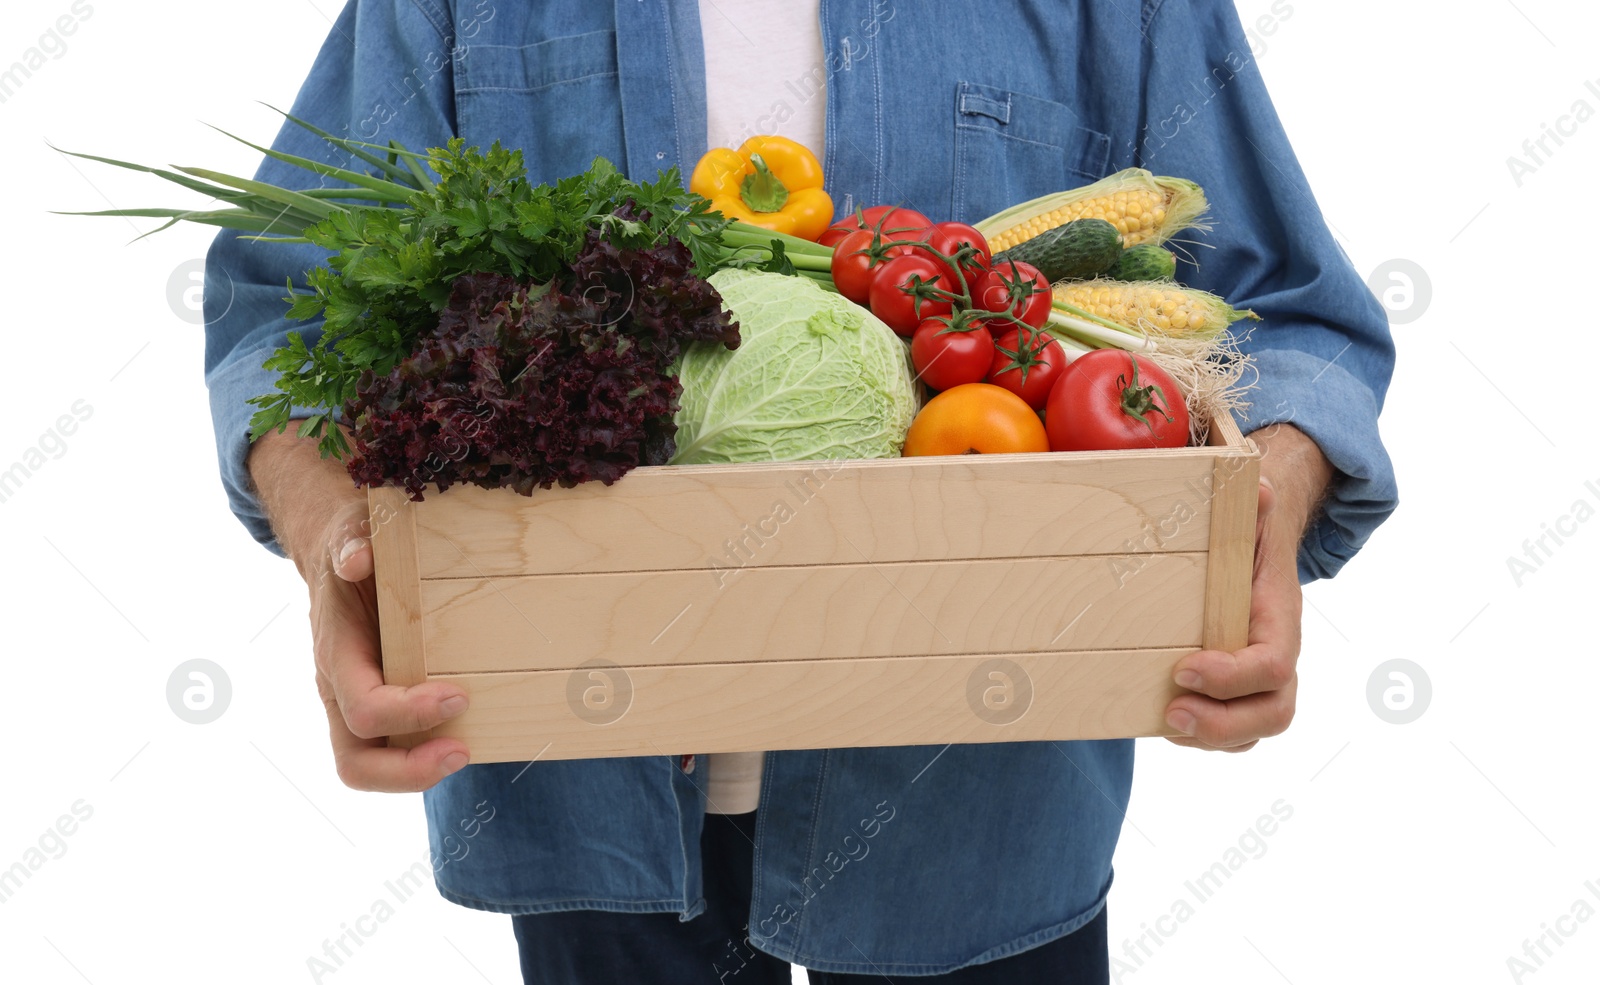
{"x":268,"y":213}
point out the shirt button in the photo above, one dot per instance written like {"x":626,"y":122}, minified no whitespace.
{"x":686,"y":763}
{"x":660,"y":154}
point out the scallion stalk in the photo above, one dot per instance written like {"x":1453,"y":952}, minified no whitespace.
{"x":1094,"y":332}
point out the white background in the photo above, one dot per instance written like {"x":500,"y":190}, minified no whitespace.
{"x":229,"y":852}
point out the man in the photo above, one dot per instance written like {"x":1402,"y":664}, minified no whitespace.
{"x":974,"y":863}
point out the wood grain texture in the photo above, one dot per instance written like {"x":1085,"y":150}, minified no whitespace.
{"x":907,"y":509}
{"x":1225,"y":432}
{"x":815,"y":612}
{"x":400,"y":622}
{"x":820,"y":604}
{"x":1231,"y":557}
{"x":705,"y":708}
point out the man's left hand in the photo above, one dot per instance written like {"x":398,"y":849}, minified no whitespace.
{"x":1239,"y":698}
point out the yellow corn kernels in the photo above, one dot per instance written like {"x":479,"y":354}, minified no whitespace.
{"x":1155,"y":306}
{"x":1145,"y":208}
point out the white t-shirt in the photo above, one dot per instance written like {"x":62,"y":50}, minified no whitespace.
{"x":765,"y":74}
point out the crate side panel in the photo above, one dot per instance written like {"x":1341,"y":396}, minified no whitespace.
{"x":826,"y":513}
{"x":815,"y":612}
{"x":1231,"y":558}
{"x":394,"y":561}
{"x":704,"y":708}
{"x":399,"y":597}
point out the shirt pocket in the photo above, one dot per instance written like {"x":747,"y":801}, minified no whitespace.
{"x":558,"y":100}
{"x":1012,"y":147}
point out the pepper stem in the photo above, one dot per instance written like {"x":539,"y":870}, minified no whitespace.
{"x":762,"y":191}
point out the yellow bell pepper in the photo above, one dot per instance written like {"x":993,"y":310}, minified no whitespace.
{"x":771,"y":182}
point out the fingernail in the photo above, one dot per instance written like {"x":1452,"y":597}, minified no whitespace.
{"x":452,"y":706}
{"x":348,"y":550}
{"x":1188,"y":679}
{"x":1182,"y":721}
{"x":453,"y":762}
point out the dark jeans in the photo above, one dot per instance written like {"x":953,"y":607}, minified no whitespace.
{"x":593,"y":947}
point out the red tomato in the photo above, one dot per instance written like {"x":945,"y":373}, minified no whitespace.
{"x":886,"y":217}
{"x":946,"y":358}
{"x":1109,"y":399}
{"x":1028,"y":364}
{"x":1015,"y":287}
{"x":899,"y":289}
{"x":852,"y":265}
{"x":949,"y":238}
{"x":833,"y":234}
{"x":901,"y":223}
{"x":857,"y":259}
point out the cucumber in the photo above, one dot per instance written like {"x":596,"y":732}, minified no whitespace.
{"x":1075,"y":250}
{"x":1147,"y":261}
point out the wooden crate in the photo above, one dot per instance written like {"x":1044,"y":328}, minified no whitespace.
{"x":719,"y":608}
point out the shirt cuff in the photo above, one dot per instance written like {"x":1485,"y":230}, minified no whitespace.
{"x":1340,"y":414}
{"x":231,"y":386}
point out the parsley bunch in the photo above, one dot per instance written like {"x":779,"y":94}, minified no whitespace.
{"x":390,"y":271}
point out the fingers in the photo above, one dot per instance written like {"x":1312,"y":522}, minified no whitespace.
{"x":1267,"y":664}
{"x":1180,"y":740}
{"x":1242,"y":696}
{"x":1266,"y":502}
{"x":350,"y":544}
{"x":345,"y":638}
{"x":369,"y":764}
{"x":389,"y":709}
{"x":362,"y":709}
{"x":1234,"y":724}
{"x":352,"y":559}
{"x":1219,"y":674}
{"x":1266,"y":496}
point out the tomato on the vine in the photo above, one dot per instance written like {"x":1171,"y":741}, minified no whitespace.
{"x":904,"y":292}
{"x":832,"y":235}
{"x":887,"y":217}
{"x":949,"y":351}
{"x":964,"y":244}
{"x":1109,"y":398}
{"x":852,"y":265}
{"x":862,"y":253}
{"x":1015,"y":287}
{"x":895,"y":222}
{"x":1027,"y":363}
{"x":895,"y":215}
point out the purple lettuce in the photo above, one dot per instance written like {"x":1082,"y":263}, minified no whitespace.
{"x":525,"y":386}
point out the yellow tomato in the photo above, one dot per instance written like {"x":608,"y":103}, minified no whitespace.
{"x":976,"y":418}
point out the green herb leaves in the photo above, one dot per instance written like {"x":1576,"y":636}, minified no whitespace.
{"x":402,"y":232}
{"x":390,"y":271}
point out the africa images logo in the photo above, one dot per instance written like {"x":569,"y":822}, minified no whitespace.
{"x":1553,"y":534}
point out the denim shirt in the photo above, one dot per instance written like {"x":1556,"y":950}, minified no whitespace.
{"x":907,"y":860}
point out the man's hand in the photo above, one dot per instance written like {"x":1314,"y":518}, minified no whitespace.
{"x":1245,"y":696}
{"x":321,"y":522}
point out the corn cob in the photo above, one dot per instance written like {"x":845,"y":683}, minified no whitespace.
{"x":1160,"y":307}
{"x":1144,"y":208}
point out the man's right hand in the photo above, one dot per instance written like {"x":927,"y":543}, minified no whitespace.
{"x":320,"y":519}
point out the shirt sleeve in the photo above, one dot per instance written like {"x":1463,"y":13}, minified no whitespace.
{"x":1323,"y":355}
{"x":384,"y":73}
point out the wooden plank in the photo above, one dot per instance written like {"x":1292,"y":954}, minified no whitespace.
{"x":1232,"y":552}
{"x":701,"y":708}
{"x":921,"y":509}
{"x":400,"y":622}
{"x":1225,"y":432}
{"x":815,"y":612}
